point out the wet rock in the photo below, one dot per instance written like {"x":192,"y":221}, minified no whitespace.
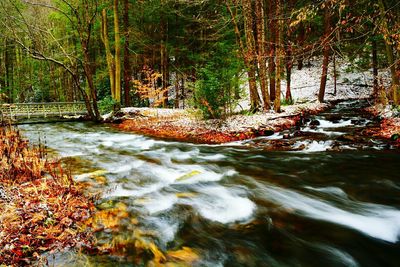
{"x":286,"y":134}
{"x":371,"y":124}
{"x":298,"y":125}
{"x":348,"y":138}
{"x":266,"y":132}
{"x":358,"y":121}
{"x":118,"y":120}
{"x":335,"y":147}
{"x":301,"y":147}
{"x":298,"y":133}
{"x":335,"y":118}
{"x":277,"y":145}
{"x":315,"y":123}
{"x":311,"y":135}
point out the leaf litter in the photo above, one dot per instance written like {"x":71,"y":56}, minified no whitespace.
{"x":43,"y":211}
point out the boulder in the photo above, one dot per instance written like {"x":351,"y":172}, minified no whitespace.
{"x":335,"y":118}
{"x":315,"y":123}
{"x":358,"y":122}
{"x":347,"y":138}
{"x":395,"y":137}
{"x":267,"y":132}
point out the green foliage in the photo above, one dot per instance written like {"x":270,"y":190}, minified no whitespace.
{"x":103,"y":87}
{"x":107,"y":104}
{"x":216,"y":83}
{"x":285,"y":102}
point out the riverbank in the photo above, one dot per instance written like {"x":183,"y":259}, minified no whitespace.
{"x":187,"y":126}
{"x":389,"y":127}
{"x":183,"y":125}
{"x":42,"y":210}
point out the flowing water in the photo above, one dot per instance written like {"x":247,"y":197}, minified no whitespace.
{"x":332,"y":199}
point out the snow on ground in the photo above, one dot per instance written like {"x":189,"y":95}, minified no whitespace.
{"x":305,"y":83}
{"x":351,"y":83}
{"x":305,"y":87}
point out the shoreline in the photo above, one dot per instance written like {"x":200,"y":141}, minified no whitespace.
{"x":42,"y":210}
{"x":389,"y":126}
{"x":180,"y":125}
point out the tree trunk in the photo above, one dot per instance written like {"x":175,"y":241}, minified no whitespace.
{"x":176,"y":90}
{"x":389,"y":55}
{"x":326,"y":52}
{"x":92,"y":89}
{"x":127,"y":65}
{"x":8,"y":60}
{"x":117,"y":54}
{"x":261,"y":56}
{"x":183,"y":91}
{"x":279,"y":55}
{"x":251,"y":59}
{"x":164,"y":58}
{"x":334,"y":75}
{"x":164,"y":72}
{"x":300,"y":41}
{"x":109,"y":56}
{"x":247,"y":49}
{"x":289,"y":65}
{"x":375,"y":66}
{"x":272,"y":49}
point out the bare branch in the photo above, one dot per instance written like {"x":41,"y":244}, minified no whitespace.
{"x":50,"y":7}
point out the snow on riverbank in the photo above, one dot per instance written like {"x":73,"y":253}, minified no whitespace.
{"x":184,"y":124}
{"x":390,"y":124}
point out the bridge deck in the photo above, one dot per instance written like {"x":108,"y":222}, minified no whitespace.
{"x":21,"y":111}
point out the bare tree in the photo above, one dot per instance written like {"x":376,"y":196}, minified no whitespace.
{"x":35,"y":38}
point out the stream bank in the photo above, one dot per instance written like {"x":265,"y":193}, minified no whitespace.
{"x":42,"y":210}
{"x":389,"y":123}
{"x":183,"y":125}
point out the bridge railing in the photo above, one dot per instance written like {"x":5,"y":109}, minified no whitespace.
{"x":47,"y":109}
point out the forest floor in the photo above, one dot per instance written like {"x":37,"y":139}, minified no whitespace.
{"x":42,"y":210}
{"x":186,"y":125}
{"x":183,"y":125}
{"x":389,"y":127}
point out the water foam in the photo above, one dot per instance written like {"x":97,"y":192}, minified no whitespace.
{"x":339,"y":256}
{"x":329,"y":124}
{"x":378,"y":221}
{"x":217,"y":203}
{"x":160,"y":202}
{"x":313,"y":146}
{"x":331,"y":190}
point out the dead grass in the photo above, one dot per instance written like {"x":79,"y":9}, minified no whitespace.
{"x":41,"y":208}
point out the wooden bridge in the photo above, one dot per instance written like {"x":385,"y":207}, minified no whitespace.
{"x":22,"y":112}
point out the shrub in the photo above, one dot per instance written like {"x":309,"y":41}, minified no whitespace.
{"x":217,"y":82}
{"x":107,"y":104}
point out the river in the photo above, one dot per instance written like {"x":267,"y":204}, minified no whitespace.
{"x":328,"y":201}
